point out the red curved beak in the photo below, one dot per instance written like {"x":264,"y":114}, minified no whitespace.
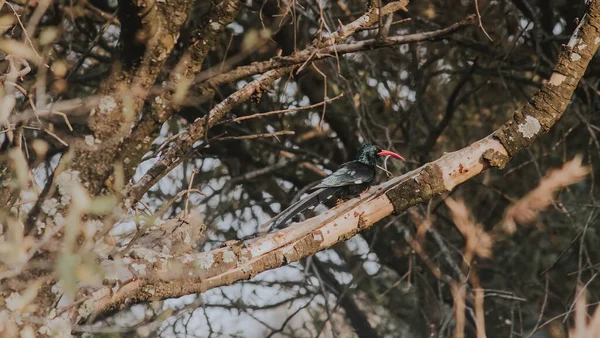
{"x":392,"y":154}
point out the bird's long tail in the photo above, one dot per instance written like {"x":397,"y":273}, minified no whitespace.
{"x":315,"y":198}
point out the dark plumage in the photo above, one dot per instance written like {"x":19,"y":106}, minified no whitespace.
{"x":351,"y":178}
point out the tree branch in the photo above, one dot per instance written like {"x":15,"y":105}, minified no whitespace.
{"x":311,"y":54}
{"x":122,"y":94}
{"x":162,"y":106}
{"x":114,"y":116}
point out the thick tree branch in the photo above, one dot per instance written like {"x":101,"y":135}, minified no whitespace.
{"x":162,"y":106}
{"x":122,"y":94}
{"x":167,"y":276}
{"x":113,"y":118}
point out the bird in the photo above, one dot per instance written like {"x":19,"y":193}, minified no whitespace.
{"x":349,"y":179}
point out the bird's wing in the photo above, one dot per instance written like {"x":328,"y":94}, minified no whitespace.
{"x":315,"y":198}
{"x":348,"y":174}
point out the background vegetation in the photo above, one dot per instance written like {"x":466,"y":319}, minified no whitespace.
{"x":123,"y":131}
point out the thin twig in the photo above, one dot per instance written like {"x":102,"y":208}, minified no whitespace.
{"x":391,"y":24}
{"x":187,"y":200}
{"x":539,"y":321}
{"x":25,"y":34}
{"x":254,"y":136}
{"x":580,"y":293}
{"x":481,"y":23}
{"x":283,"y":111}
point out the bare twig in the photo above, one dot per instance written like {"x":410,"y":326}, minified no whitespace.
{"x":277,"y":112}
{"x":479,"y":19}
{"x":255,"y":136}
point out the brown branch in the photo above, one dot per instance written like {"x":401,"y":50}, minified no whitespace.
{"x":480,"y":22}
{"x":254,"y":136}
{"x":122,"y":94}
{"x":366,"y":21}
{"x":282,"y":111}
{"x":369,"y":19}
{"x":166,"y":276}
{"x":311,"y":54}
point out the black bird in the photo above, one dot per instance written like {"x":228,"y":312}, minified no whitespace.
{"x":350,"y":179}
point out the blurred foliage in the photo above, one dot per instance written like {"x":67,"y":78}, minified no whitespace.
{"x":419,"y":100}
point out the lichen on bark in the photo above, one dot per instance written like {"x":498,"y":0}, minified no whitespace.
{"x":412,"y":191}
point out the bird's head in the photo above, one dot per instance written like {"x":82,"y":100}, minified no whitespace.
{"x":369,"y":153}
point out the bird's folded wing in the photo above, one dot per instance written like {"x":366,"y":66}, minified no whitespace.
{"x":348,"y":174}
